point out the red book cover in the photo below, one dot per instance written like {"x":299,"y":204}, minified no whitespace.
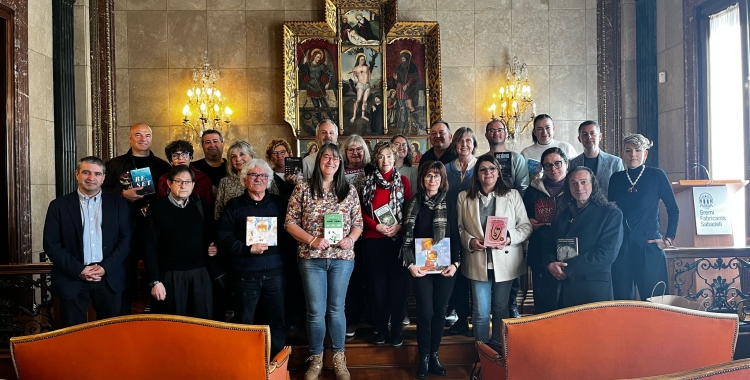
{"x":544,"y":210}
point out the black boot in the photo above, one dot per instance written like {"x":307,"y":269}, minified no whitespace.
{"x":424,"y":367}
{"x":435,"y":366}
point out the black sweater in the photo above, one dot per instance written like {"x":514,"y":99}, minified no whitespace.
{"x":423,"y":226}
{"x":640,"y":209}
{"x":177,"y":238}
{"x":232,"y":231}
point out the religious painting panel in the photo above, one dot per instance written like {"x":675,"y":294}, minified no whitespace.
{"x":362,"y":91}
{"x":406,"y":92}
{"x":360,"y":27}
{"x":317,"y":83}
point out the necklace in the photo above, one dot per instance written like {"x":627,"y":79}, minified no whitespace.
{"x":632,"y":188}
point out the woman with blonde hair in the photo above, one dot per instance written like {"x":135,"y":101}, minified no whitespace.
{"x":231,"y":186}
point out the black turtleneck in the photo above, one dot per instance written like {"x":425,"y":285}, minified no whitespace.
{"x":640,"y":208}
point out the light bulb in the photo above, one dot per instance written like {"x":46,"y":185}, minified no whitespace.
{"x":227,"y":111}
{"x":186,"y":110}
{"x":190,"y":93}
{"x":216,"y":108}
{"x":203,"y":107}
{"x":217,"y":93}
{"x":197,"y":92}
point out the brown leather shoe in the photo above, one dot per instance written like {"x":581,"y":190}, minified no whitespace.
{"x":339,"y":366}
{"x":316,"y":365}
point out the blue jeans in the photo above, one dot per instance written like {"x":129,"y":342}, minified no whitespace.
{"x":325,"y":282}
{"x":269,"y":291}
{"x":489,"y":295}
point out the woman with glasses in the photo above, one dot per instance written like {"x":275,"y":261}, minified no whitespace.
{"x":325,"y":265}
{"x":540,"y":200}
{"x":231,"y":186}
{"x":584,"y":214}
{"x":180,"y":152}
{"x":491,"y":266}
{"x":428,"y":215}
{"x":258,"y":268}
{"x":356,"y":160}
{"x":383,"y":195}
{"x":276,"y":153}
{"x":637,"y":191}
{"x":404,"y":160}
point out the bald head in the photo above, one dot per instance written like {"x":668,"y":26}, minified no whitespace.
{"x":140,"y":139}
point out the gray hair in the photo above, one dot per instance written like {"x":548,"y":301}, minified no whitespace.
{"x":638,"y":141}
{"x":355,"y":140}
{"x":252,"y":164}
{"x":91,"y":160}
{"x":241,"y":145}
{"x":327,"y":121}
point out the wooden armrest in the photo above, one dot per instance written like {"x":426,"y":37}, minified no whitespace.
{"x":277,"y":369}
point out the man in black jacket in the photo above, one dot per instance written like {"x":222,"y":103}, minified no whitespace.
{"x":257,"y":260}
{"x":87,"y":237}
{"x":119,"y":182}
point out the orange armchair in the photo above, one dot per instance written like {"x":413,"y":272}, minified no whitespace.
{"x":610,"y":340}
{"x":150,"y":346}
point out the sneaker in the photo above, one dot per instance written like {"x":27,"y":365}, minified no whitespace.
{"x":451,"y":318}
{"x":406,"y":321}
{"x":397,"y":341}
{"x":460,"y":327}
{"x":379,"y":339}
{"x":350,"y":330}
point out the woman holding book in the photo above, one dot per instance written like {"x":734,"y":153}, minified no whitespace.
{"x":325,"y":206}
{"x":428,"y":215}
{"x":493,"y":224}
{"x":356,"y":160}
{"x":540,"y":198}
{"x":276,"y":153}
{"x":384,"y":192}
{"x":404,"y":161}
{"x":231,"y":186}
{"x":588,"y":229}
{"x":637,"y":191}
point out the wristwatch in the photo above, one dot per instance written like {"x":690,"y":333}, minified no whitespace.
{"x":154,"y":283}
{"x":457,"y":264}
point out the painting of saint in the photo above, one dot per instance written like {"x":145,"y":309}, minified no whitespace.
{"x":362,"y":93}
{"x":317,"y":83}
{"x":407,"y":103}
{"x":360,"y":27}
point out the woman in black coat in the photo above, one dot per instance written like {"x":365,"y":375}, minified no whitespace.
{"x":585,"y":214}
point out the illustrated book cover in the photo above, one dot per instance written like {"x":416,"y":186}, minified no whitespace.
{"x":333,"y":228}
{"x":544,"y":210}
{"x":432,"y":258}
{"x":567,"y":248}
{"x":385,"y":215}
{"x":293,"y":165}
{"x":496,"y":233}
{"x":261,"y":230}
{"x":142,"y":178}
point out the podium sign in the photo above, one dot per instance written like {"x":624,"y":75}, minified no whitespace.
{"x":712,"y":213}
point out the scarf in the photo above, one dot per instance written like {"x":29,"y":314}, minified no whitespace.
{"x":439,"y":223}
{"x":396,"y":198}
{"x":553,"y":188}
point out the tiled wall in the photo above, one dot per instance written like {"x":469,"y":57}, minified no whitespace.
{"x":41,"y":117}
{"x":159,"y":41}
{"x":82,"y":62}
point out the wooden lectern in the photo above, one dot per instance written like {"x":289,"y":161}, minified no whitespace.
{"x":686,"y":231}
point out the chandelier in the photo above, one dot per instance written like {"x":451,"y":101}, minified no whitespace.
{"x":204,"y":109}
{"x":515,"y":99}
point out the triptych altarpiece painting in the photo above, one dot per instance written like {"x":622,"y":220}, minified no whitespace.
{"x":373,"y":75}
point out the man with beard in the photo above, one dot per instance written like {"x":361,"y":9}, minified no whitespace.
{"x":440,"y":138}
{"x":317,"y":76}
{"x":326,"y":133}
{"x":407,"y":78}
{"x":213,"y":164}
{"x":602,"y":164}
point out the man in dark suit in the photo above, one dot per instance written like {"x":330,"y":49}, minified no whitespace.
{"x":87,"y":237}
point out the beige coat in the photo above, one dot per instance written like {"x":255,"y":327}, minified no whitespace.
{"x":508,"y":263}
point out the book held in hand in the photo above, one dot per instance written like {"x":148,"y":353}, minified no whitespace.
{"x":261,"y":230}
{"x":142,"y":178}
{"x":432,"y":258}
{"x":534,"y":166}
{"x":567,"y":248}
{"x":506,"y":167}
{"x":544,"y":210}
{"x":354,"y":176}
{"x":385,"y":215}
{"x":333,"y":228}
{"x":293,"y":165}
{"x":496,"y":233}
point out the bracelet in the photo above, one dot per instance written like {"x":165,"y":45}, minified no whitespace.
{"x":312,"y":241}
{"x":350,"y":239}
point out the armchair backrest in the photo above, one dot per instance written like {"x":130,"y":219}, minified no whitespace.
{"x":146,"y":346}
{"x":616,"y":339}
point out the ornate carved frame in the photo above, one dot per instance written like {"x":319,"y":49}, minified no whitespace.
{"x":103,"y":106}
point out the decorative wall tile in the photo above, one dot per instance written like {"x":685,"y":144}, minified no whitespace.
{"x":629,"y":94}
{"x":417,"y":15}
{"x":40,"y":86}
{"x":455,"y":5}
{"x":83,"y":141}
{"x":186,"y":5}
{"x":147,"y":5}
{"x":263,"y":93}
{"x":147,"y":40}
{"x":38,"y":148}
{"x":627,"y":32}
{"x":149,"y":96}
{"x":629,"y":125}
{"x":591,"y":37}
{"x":303,"y":16}
{"x":121,"y":40}
{"x":264,"y":39}
{"x":492,"y":38}
{"x":567,"y":41}
{"x":498,"y":5}
{"x":567,"y":92}
{"x":567,"y":4}
{"x":456,"y":34}
{"x":417,"y":5}
{"x":120,"y":5}
{"x":672,"y":23}
{"x":539,"y":81}
{"x":227,"y":39}
{"x":40,"y":27}
{"x":83,"y":95}
{"x":186,"y":38}
{"x":41,"y":195}
{"x":539,"y":5}
{"x":567,"y":130}
{"x":226,"y":5}
{"x":291,"y":4}
{"x":160,"y":137}
{"x":531,"y":36}
{"x":591,"y":4}
{"x":672,"y":140}
{"x":488,"y":82}
{"x":591,"y":94}
{"x":458,"y":94}
{"x":81,"y":35}
{"x":671,"y":93}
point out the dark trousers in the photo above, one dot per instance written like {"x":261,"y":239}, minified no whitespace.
{"x":294,"y":301}
{"x":388,"y":279}
{"x":460,"y":300}
{"x":269,"y":290}
{"x":356,"y":293}
{"x":431,"y":293}
{"x":188,"y":293}
{"x":638,"y":264}
{"x":514,"y":288}
{"x":545,"y":290}
{"x":105,"y":302}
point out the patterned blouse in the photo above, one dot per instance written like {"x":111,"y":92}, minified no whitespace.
{"x":230,"y":187}
{"x":308,"y":213}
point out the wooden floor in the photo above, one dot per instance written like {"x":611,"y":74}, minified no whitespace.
{"x":389,"y":373}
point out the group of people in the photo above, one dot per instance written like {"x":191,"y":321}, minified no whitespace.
{"x":192,"y":233}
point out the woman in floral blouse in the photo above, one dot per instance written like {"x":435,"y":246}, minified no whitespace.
{"x":231,"y":186}
{"x":325,"y":265}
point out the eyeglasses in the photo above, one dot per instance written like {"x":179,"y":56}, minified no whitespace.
{"x":431,"y":177}
{"x":549,"y":166}
{"x":279,"y":153}
{"x":180,"y":182}
{"x":177,"y":155}
{"x":400,"y":145}
{"x":355,"y":150}
{"x":488,"y":169}
{"x":492,"y":131}
{"x":262,"y":176}
{"x":329,"y":157}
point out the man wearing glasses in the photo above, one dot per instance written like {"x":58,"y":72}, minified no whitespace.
{"x":602,"y":164}
{"x":258,"y":259}
{"x":180,"y":152}
{"x":440,"y":139}
{"x":87,"y":237}
{"x":178,"y":243}
{"x":119,"y":182}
